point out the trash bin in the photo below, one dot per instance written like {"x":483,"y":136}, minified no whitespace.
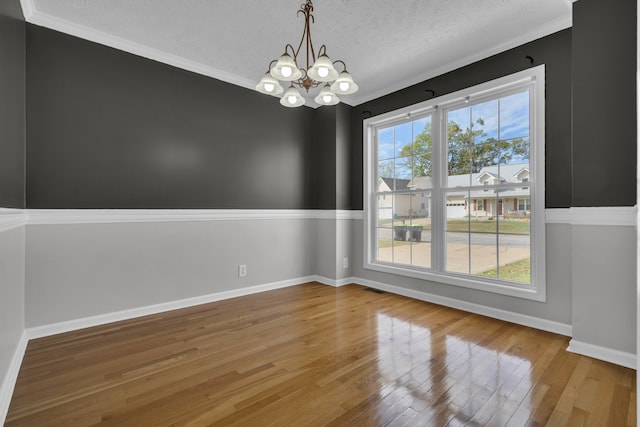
{"x":399,"y":232}
{"x":416,"y":233}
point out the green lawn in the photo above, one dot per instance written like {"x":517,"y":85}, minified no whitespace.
{"x":486,"y":226}
{"x":519,"y":271}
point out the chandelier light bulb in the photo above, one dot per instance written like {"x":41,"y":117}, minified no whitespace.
{"x":269,"y":87}
{"x":323,"y":71}
{"x":286,"y":71}
{"x":344,"y":86}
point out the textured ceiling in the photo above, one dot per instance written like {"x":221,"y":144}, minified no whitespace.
{"x":386,"y":44}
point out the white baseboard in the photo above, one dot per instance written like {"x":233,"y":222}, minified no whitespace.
{"x":101,"y":319}
{"x":509,"y":316}
{"x":9,"y":382}
{"x":336,"y":283}
{"x":618,"y":357}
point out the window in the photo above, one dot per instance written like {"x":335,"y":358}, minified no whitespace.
{"x":444,"y":221}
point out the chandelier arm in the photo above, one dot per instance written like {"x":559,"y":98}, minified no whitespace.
{"x":271,"y":64}
{"x":340,"y":61}
{"x":293,"y":52}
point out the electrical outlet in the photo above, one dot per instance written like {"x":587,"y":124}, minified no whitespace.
{"x":242,"y":270}
{"x":345,"y":262}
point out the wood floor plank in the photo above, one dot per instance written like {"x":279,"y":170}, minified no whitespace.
{"x":313,"y":355}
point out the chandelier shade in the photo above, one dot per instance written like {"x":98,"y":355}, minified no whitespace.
{"x":344,"y":84}
{"x":292,"y":98}
{"x":286,"y":69}
{"x":318,"y":71}
{"x":326,"y":97}
{"x":323,"y":70}
{"x":269,"y":85}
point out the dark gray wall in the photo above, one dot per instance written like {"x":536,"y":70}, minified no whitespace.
{"x":604,"y":103}
{"x":324,"y":164}
{"x":554,"y":51}
{"x":12,"y":104}
{"x":332,"y":157}
{"x":107,"y":129}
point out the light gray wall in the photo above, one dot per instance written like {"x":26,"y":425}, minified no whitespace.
{"x":325,"y":244}
{"x":332,"y":244}
{"x":558,"y":256}
{"x":80,"y":270}
{"x":604,"y":286}
{"x":12,"y":288}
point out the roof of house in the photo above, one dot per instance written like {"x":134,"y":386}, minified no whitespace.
{"x":507,"y":174}
{"x":396,"y":184}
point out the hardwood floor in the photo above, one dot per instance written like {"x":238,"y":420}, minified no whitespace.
{"x":312,"y":355}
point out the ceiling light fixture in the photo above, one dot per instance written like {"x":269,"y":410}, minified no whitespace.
{"x":318,"y":71}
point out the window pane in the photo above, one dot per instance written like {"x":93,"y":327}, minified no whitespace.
{"x":459,"y":147}
{"x":419,"y":231}
{"x":484,"y":155}
{"x":514,"y":133}
{"x":514,"y":243}
{"x":385,"y":143}
{"x":422,"y":153}
{"x":484,"y":120}
{"x":385,"y":170}
{"x":514,"y":116}
{"x":422,"y":135}
{"x":484,"y":236}
{"x":404,"y":139}
{"x":457,"y":233}
{"x":402,"y":173}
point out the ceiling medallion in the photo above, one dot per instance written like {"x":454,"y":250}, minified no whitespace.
{"x":321,"y":72}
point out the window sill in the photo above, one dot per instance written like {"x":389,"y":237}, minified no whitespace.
{"x":530,"y":292}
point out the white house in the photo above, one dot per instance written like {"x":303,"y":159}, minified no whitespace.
{"x":514,"y":201}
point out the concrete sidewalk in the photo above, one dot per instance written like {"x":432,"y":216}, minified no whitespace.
{"x":483,"y":257}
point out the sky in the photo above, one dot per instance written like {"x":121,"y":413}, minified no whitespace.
{"x":503,"y":119}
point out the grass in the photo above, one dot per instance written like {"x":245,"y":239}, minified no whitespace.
{"x":519,"y":271}
{"x":487,"y":226}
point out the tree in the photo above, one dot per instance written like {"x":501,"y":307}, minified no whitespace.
{"x":467,"y":150}
{"x":422,"y":152}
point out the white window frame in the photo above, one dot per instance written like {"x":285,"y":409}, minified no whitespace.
{"x":533,"y":78}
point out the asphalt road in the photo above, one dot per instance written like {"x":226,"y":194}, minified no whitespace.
{"x":484,"y":239}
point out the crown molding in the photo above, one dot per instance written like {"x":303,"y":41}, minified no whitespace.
{"x":33,"y":16}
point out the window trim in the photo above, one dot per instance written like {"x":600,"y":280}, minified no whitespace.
{"x":534,"y":78}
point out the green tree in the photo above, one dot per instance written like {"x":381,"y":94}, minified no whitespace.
{"x":422,"y":152}
{"x":465,"y":154}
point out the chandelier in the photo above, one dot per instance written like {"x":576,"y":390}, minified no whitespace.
{"x":318,"y":71}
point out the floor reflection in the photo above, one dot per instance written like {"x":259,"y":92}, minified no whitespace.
{"x":445,"y":377}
